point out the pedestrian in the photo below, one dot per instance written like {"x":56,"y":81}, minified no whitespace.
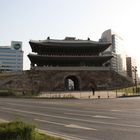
{"x":93,"y":91}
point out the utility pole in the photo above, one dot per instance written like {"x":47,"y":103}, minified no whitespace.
{"x":134,"y":69}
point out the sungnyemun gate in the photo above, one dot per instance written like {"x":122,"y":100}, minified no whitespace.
{"x":71,"y":65}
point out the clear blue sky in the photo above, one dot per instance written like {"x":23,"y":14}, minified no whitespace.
{"x":36,"y":19}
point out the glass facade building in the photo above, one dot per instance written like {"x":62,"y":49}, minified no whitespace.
{"x":118,"y":62}
{"x":11,"y":57}
{"x":131,"y":65}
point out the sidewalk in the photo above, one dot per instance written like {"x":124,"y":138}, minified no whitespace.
{"x":82,"y":94}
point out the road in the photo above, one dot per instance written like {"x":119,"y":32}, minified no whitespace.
{"x":89,"y":119}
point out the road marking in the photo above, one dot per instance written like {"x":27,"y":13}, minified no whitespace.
{"x":15,"y":113}
{"x":45,"y":107}
{"x":70,"y":110}
{"x":75,"y":119}
{"x":45,"y":121}
{"x":76,"y":114}
{"x":79,"y":127}
{"x":59,"y":135}
{"x":115,"y":110}
{"x":104,"y":117}
{"x":96,"y":116}
{"x":69,"y":125}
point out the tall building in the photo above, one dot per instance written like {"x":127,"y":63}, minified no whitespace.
{"x":118,"y":62}
{"x":11,"y":57}
{"x":131,"y":68}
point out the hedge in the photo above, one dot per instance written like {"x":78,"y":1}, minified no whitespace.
{"x":16,"y":130}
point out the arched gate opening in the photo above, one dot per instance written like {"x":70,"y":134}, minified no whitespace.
{"x":72,"y":83}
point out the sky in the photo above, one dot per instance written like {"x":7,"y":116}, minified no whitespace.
{"x":23,"y":20}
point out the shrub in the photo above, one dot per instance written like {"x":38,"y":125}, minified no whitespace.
{"x":16,"y":130}
{"x":6,"y":93}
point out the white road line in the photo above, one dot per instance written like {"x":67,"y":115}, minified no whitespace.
{"x":76,"y":114}
{"x":96,"y":116}
{"x":45,"y":107}
{"x":75,"y":119}
{"x":45,"y":121}
{"x":68,"y":110}
{"x":66,"y":125}
{"x":59,"y":135}
{"x":11,"y":112}
{"x":79,"y":127}
{"x":125,"y":110}
{"x":115,"y":110}
{"x":104,"y":117}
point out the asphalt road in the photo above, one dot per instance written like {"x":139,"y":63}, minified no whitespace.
{"x":93,"y":119}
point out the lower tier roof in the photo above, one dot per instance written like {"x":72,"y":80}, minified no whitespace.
{"x":40,"y":60}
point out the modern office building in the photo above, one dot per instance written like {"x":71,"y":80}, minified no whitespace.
{"x":118,"y":62}
{"x":11,"y":57}
{"x":131,"y":68}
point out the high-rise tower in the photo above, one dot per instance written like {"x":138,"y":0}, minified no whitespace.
{"x":118,"y":62}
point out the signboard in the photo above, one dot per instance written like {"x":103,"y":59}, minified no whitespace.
{"x":16,"y":45}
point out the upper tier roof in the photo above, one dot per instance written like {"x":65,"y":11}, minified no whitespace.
{"x":66,"y":43}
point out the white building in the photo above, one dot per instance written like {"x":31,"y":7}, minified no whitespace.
{"x":11,"y":57}
{"x":118,"y":62}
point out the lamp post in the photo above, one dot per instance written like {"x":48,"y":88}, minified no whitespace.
{"x":134,"y":69}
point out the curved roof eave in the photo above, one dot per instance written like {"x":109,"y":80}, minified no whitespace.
{"x":34,"y":57}
{"x":39,"y":45}
{"x":52,"y":42}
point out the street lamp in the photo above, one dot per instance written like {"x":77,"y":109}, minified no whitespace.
{"x":134,"y":69}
